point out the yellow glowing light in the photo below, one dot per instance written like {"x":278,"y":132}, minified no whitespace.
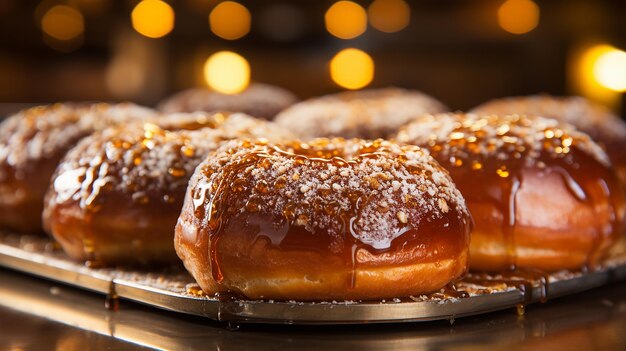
{"x":518,"y":16}
{"x":153,"y":18}
{"x":389,"y":15}
{"x":227,"y":72}
{"x":63,"y":23}
{"x":598,"y":73}
{"x":352,"y":69}
{"x":230,"y":20}
{"x":346,"y":20}
{"x":610,"y":70}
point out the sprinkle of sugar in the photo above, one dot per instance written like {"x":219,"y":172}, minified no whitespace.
{"x":146,"y":162}
{"x":499,"y":137}
{"x":596,"y":120}
{"x":258,"y":100}
{"x":407,"y":190}
{"x":47,"y":132}
{"x":366,"y":114}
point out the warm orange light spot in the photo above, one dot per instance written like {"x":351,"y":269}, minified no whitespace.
{"x":153,"y":18}
{"x":63,"y":23}
{"x":598,"y":73}
{"x":230,"y":20}
{"x":610,"y":69}
{"x":389,"y":15}
{"x":502,"y":172}
{"x":227,"y":72}
{"x":518,"y":16}
{"x":352,"y":69}
{"x":346,"y":19}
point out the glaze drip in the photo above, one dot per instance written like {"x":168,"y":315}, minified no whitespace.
{"x":336,"y":203}
{"x":497,"y":161}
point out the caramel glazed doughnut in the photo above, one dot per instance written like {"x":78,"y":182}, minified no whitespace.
{"x":371,"y":114}
{"x":116,"y":196}
{"x":542,"y":194}
{"x":33,"y":141}
{"x":331,"y":219}
{"x":258,"y":100}
{"x":598,"y":121}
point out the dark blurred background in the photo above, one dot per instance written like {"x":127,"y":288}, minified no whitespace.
{"x":462,"y":52}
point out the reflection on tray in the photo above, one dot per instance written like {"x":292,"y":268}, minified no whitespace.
{"x":173,"y":289}
{"x":598,"y":321}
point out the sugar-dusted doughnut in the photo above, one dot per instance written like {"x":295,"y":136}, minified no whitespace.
{"x":258,"y":100}
{"x":329,"y":219}
{"x":33,"y":141}
{"x":115,"y":197}
{"x":375,"y":113}
{"x":542,"y":194}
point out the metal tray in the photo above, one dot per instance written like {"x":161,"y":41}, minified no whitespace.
{"x":173,"y":289}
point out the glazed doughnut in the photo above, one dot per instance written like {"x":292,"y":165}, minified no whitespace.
{"x":331,"y":219}
{"x":542,"y":194}
{"x":31,"y":144}
{"x":599,"y":122}
{"x":258,"y":100}
{"x":371,"y":114}
{"x":115,"y":197}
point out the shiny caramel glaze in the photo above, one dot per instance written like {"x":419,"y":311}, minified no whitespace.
{"x":258,"y":100}
{"x":523,"y":279}
{"x":31,"y":144}
{"x":330,"y":219}
{"x":116,"y":196}
{"x":542,"y":194}
{"x":362,"y":114}
{"x":599,"y":122}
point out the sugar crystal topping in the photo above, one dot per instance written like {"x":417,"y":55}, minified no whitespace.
{"x":259,"y":100}
{"x":44,"y":131}
{"x":369,"y":113}
{"x":148,"y":162}
{"x":594,"y":119}
{"x":378,"y":189}
{"x":470,"y":137}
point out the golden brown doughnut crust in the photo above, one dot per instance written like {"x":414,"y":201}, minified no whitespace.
{"x":542,"y":194}
{"x":33,"y":141}
{"x":258,"y":100}
{"x":598,"y":121}
{"x":374,"y":113}
{"x":116,"y":196}
{"x":331,"y":219}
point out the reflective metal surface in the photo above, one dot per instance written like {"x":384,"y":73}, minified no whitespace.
{"x":37,"y":314}
{"x":168,"y":291}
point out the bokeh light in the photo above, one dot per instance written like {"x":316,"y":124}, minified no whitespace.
{"x":594,"y":71}
{"x":352,"y":69}
{"x":518,"y":16}
{"x":610,"y":70}
{"x":153,"y":18}
{"x":346,"y":20}
{"x":63,"y":23}
{"x":230,"y":20}
{"x":389,"y":16}
{"x":227,"y":72}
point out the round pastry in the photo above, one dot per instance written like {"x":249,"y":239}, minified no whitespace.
{"x":357,"y":114}
{"x":31,"y":144}
{"x":115,"y":197}
{"x":542,"y":194}
{"x":331,"y":219}
{"x":258,"y":100}
{"x":599,"y":122}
